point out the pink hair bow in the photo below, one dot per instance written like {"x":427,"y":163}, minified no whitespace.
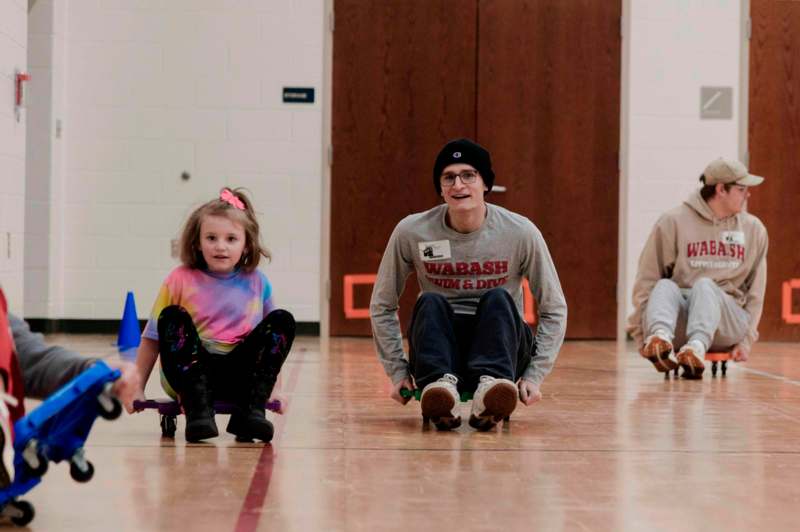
{"x":230,"y":197}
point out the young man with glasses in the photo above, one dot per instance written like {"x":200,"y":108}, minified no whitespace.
{"x":702,"y":275}
{"x":467,"y":331}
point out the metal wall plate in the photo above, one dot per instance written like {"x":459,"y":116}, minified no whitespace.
{"x":716,"y":103}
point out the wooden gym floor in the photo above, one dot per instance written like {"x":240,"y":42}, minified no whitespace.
{"x":613,"y":446}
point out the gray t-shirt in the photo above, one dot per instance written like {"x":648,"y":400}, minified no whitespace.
{"x":462,"y":267}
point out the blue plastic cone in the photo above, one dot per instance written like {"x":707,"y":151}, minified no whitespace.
{"x":129,"y":333}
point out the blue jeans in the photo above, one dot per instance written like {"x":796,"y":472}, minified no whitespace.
{"x":495,"y":341}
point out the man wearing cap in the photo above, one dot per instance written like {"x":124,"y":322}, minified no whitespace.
{"x":467,"y":332}
{"x":702,"y":275}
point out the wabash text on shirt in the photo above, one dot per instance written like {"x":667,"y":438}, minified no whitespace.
{"x":484,"y":274}
{"x":714,"y":248}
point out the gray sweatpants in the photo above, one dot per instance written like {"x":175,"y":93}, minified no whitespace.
{"x":703,"y":312}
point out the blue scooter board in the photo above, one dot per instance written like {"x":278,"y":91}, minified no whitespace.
{"x":56,"y":430}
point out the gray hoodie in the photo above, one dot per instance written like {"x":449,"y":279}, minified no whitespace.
{"x":45,"y":368}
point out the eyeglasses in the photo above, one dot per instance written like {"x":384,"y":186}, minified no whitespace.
{"x":467,"y":177}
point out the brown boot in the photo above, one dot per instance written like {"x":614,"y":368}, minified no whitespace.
{"x":690,"y":358}
{"x":657,"y":349}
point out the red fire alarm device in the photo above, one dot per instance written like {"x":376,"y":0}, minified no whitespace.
{"x":19,"y":91}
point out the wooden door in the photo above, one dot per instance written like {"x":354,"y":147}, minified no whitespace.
{"x":549,"y":112}
{"x":403,"y":84}
{"x":774,"y":145}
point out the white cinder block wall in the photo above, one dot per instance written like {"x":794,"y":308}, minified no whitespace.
{"x":45,"y":64}
{"x":153,"y":89}
{"x":672,"y":48}
{"x":150,"y":89}
{"x":13,"y":56}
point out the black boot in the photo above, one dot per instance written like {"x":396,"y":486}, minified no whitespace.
{"x":196,"y":401}
{"x":183,"y":361}
{"x":248,"y":420}
{"x":275,"y":335}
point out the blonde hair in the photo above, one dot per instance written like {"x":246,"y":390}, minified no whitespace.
{"x":191,"y":255}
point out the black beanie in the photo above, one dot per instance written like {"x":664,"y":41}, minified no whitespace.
{"x":467,"y":152}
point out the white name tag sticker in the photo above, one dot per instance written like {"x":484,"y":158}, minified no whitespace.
{"x":437,"y":250}
{"x":733,"y":237}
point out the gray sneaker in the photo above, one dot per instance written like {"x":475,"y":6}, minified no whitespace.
{"x":493,"y":401}
{"x":439,"y":401}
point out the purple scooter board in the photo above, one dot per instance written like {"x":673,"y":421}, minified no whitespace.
{"x":170,"y":409}
{"x":56,"y":430}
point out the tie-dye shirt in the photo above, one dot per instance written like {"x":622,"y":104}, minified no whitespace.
{"x":224,"y":308}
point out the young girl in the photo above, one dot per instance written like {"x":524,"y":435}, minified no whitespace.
{"x":214,"y":324}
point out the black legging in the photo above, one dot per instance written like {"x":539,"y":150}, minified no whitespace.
{"x":265,"y":349}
